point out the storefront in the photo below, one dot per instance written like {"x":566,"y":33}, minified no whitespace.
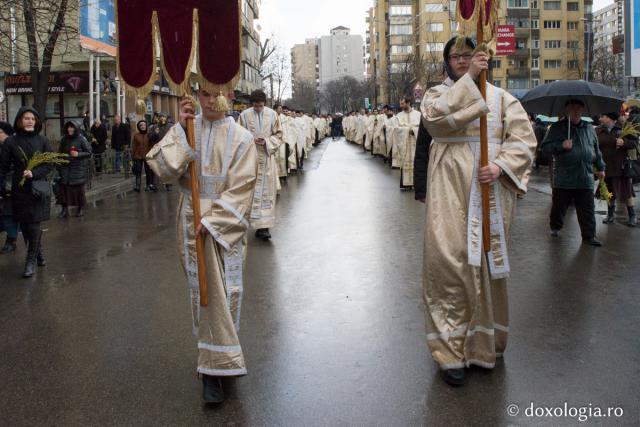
{"x":68,"y":99}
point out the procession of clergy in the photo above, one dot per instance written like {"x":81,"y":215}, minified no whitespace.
{"x":387,"y":135}
{"x":239,"y":166}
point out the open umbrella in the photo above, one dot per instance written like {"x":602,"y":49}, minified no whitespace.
{"x":550,"y":99}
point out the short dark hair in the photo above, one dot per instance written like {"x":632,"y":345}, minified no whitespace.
{"x":258,"y":96}
{"x":6,"y":128}
{"x":407,"y":100}
{"x":574,"y":101}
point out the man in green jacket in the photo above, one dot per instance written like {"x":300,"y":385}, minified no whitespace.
{"x":575,"y":151}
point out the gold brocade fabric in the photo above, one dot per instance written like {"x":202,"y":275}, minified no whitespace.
{"x":227,"y":169}
{"x":265,"y":124}
{"x":379,"y":142}
{"x":467,"y":311}
{"x":405,"y":136}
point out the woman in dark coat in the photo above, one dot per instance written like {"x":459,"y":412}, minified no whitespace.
{"x":614,"y":152}
{"x":6,"y":212}
{"x":74,"y":175}
{"x":29,"y":210}
{"x":139,"y":150}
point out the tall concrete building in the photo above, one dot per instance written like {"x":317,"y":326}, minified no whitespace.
{"x":608,"y":43}
{"x":340,"y":54}
{"x":407,"y":39}
{"x":305,"y":67}
{"x":321,"y":60}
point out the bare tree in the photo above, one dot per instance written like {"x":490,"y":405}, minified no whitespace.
{"x":305,"y":97}
{"x":345,"y":94}
{"x":576,"y":56}
{"x":278,"y":67}
{"x":604,"y":67}
{"x":36,"y":31}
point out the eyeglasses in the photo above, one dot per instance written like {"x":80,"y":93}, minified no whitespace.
{"x":456,"y":58}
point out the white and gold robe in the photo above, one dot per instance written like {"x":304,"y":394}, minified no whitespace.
{"x":406,"y":135}
{"x":360,"y":129}
{"x":390,"y":123}
{"x":465,"y":291}
{"x":265,"y":124}
{"x":227,"y":169}
{"x":370,"y":123}
{"x":379,"y":143}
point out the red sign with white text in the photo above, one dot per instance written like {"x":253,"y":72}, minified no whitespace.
{"x":505,"y":40}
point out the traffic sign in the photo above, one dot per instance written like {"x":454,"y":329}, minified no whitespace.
{"x":505,"y":40}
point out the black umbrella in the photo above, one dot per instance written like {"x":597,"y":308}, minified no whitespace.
{"x":550,"y":99}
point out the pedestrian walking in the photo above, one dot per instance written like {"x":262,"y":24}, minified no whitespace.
{"x":31,"y":204}
{"x":573,"y":143}
{"x":615,"y":154}
{"x":140,"y":148}
{"x":73,"y":175}
{"x":120,"y":140}
{"x":464,"y":292}
{"x":98,"y":143}
{"x":7,"y":223}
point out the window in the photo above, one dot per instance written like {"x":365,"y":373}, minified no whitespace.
{"x":534,"y":4}
{"x":535,"y":82}
{"x":518,"y":83}
{"x":397,"y":68}
{"x":496,"y":63}
{"x":552,"y":24}
{"x":573,"y":6}
{"x":518,"y":4}
{"x":497,"y":83}
{"x":400,"y":30}
{"x":548,"y":81}
{"x":552,"y":63}
{"x":536,"y":43}
{"x":572,"y":25}
{"x":535,"y":24}
{"x":434,"y":47}
{"x":521,"y":44}
{"x":535,"y":63}
{"x":401,"y":50}
{"x":399,"y":10}
{"x":435,"y":27}
{"x":572,"y":64}
{"x":552,"y":44}
{"x":573,"y":44}
{"x":434,"y":7}
{"x":518,"y":22}
{"x":552,"y":5}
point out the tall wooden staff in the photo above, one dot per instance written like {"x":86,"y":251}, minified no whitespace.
{"x":208,"y":30}
{"x":484,"y":146}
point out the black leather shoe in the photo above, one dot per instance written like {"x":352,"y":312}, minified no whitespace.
{"x":42,"y":261}
{"x":263,"y":233}
{"x":29,"y":268}
{"x":593,"y":242}
{"x":454,"y":377}
{"x":9,"y":246}
{"x":212,"y":391}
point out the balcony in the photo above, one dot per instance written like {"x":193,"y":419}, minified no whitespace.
{"x":535,"y":13}
{"x":522,"y":53}
{"x":518,"y":73}
{"x":523,"y":32}
{"x":517,"y":13}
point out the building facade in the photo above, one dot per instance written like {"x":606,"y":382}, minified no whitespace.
{"x":407,"y":38}
{"x":305,"y":67}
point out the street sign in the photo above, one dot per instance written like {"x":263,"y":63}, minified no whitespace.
{"x":505,"y":40}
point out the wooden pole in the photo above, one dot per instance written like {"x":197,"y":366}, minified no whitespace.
{"x":195,"y":198}
{"x":484,"y":148}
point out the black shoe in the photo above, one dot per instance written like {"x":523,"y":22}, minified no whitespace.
{"x":592,"y":241}
{"x":555,"y":233}
{"x":454,"y":377}
{"x":263,"y":233}
{"x":212,"y":391}
{"x":29,"y":268}
{"x":80,"y":213}
{"x":633,"y":219}
{"x":610,"y":219}
{"x":42,"y":261}
{"x":9,"y":246}
{"x":147,"y":188}
{"x":63,"y":213}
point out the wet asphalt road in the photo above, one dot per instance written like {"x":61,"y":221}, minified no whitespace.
{"x":332,"y":322}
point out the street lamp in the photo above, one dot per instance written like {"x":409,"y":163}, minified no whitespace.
{"x":587,"y":23}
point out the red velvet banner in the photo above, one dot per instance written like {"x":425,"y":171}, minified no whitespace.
{"x":218,"y":39}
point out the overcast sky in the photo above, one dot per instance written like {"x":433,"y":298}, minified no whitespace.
{"x":293,"y":21}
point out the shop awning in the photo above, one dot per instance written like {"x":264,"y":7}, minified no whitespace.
{"x":96,"y":46}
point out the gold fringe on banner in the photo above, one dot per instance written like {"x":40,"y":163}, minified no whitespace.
{"x":184,"y":87}
{"x":469,"y":27}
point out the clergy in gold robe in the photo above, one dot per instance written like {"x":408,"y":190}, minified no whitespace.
{"x":264,"y":124}
{"x":405,"y":135}
{"x":379,"y":143}
{"x":370,"y":123}
{"x":226,"y":169}
{"x":465,"y":289}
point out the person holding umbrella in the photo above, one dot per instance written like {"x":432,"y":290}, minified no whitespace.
{"x":573,"y":143}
